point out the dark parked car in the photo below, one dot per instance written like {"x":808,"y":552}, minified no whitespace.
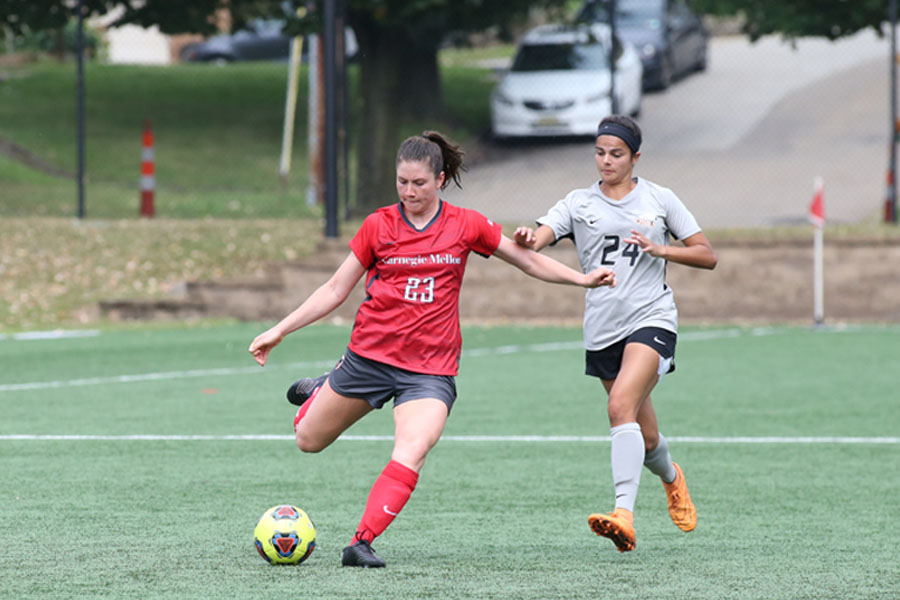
{"x":261,"y":40}
{"x":670,"y":37}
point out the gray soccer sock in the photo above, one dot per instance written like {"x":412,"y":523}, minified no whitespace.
{"x":659,"y":461}
{"x":627,"y":458}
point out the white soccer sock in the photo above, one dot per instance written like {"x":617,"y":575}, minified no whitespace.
{"x":659,"y":461}
{"x":627,"y":458}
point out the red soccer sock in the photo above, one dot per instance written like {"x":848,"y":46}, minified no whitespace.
{"x":301,"y":412}
{"x":387,"y":498}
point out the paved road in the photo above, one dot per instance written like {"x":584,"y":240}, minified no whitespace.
{"x":741,"y":143}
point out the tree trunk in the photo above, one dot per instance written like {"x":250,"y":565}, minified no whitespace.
{"x":59,"y":41}
{"x":400,"y":92}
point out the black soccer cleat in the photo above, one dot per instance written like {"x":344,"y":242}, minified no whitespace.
{"x":362,"y":555}
{"x":301,"y":390}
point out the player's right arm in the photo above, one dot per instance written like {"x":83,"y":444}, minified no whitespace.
{"x":325,"y":299}
{"x":536,"y":239}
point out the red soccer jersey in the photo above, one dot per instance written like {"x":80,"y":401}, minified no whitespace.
{"x":410,"y":317}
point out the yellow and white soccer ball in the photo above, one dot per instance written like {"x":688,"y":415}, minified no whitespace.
{"x":285,"y":535}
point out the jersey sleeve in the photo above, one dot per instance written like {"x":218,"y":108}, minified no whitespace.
{"x":485,"y":234}
{"x":679,"y":220}
{"x":363,"y":243}
{"x":559,"y":219}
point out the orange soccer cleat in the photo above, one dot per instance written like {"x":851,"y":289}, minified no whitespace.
{"x":681,"y":509}
{"x":618,"y":526}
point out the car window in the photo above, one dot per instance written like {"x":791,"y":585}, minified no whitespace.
{"x":683,"y":11}
{"x":629,"y":13}
{"x":266,"y":26}
{"x":560,"y":57}
{"x":681,"y":8}
{"x":640,"y":12}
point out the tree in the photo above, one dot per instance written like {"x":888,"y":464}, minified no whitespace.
{"x":19,"y":16}
{"x":800,"y":18}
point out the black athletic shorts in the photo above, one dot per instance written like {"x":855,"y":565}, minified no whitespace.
{"x":606,"y":363}
{"x":356,"y":376}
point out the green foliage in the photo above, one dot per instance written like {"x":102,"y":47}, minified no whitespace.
{"x":171,"y":17}
{"x":423,"y":17}
{"x":48,"y":40}
{"x":439,"y":17}
{"x":21,"y":16}
{"x":716,"y":7}
{"x":798,"y":18}
{"x":197,"y":15}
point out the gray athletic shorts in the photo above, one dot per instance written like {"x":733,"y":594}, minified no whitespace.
{"x":356,"y":376}
{"x":606,"y":363}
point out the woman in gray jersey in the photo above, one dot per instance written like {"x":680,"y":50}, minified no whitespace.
{"x":625,"y":223}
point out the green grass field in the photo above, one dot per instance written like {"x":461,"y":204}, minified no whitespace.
{"x":136,"y":461}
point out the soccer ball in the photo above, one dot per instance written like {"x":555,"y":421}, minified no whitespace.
{"x":285,"y":535}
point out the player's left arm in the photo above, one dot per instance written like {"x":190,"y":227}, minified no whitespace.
{"x":696,"y":252}
{"x":545,"y":268}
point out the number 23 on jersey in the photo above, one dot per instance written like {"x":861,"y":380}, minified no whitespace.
{"x":419,"y":289}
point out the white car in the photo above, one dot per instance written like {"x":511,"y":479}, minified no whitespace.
{"x":559,"y":83}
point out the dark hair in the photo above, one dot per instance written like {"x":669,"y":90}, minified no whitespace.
{"x":624,"y":128}
{"x":439,"y":152}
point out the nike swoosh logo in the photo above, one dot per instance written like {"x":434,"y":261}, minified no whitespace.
{"x":658,"y":341}
{"x":388,"y":511}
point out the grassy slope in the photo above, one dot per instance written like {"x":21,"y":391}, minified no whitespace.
{"x":218,"y":141}
{"x":217,"y":137}
{"x":54,"y":271}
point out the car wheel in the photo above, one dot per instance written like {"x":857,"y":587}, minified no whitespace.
{"x":665,"y":72}
{"x":219,"y":60}
{"x":702,"y":60}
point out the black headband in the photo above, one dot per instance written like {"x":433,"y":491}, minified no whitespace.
{"x":623,"y":133}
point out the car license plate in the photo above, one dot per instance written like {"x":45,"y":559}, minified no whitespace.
{"x":548,"y":122}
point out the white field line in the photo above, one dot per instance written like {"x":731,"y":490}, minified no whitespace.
{"x":836,"y":440}
{"x":64,"y":334}
{"x":322,"y":364}
{"x":54,"y":334}
{"x":40,"y":385}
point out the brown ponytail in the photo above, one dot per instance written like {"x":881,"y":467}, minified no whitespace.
{"x":440,"y":153}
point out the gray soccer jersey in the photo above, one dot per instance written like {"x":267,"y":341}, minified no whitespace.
{"x":599,"y":225}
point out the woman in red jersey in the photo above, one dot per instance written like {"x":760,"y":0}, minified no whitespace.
{"x":406,"y":341}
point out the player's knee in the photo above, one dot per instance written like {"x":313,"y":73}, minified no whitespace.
{"x":620,"y":410}
{"x":651,"y":440}
{"x":309,"y":444}
{"x":412,"y":454}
